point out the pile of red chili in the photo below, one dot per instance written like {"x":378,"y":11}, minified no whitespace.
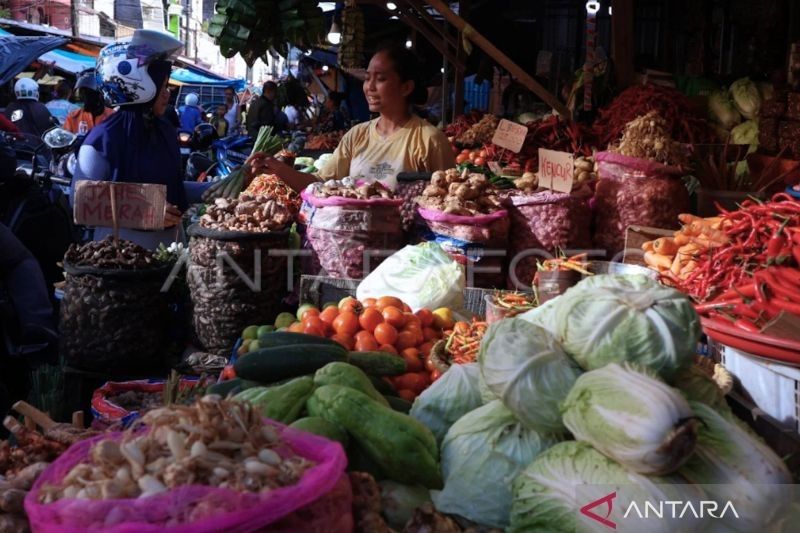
{"x":638,"y":100}
{"x":757,"y":275}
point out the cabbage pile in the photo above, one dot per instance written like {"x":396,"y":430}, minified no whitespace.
{"x":595,"y":392}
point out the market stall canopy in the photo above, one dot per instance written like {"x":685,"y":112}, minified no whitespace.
{"x":69,"y":61}
{"x":16,"y":53}
{"x":181,"y":76}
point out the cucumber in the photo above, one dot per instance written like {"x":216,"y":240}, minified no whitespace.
{"x":323,"y":428}
{"x":269,"y":365}
{"x":377,"y":363}
{"x":226,"y":388}
{"x":287,"y":338}
{"x":382,"y":386}
{"x":398,"y":404}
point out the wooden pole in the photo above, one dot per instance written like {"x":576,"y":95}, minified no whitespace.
{"x":419,"y":7}
{"x":622,"y":42}
{"x":439,"y":43}
{"x":502,"y":59}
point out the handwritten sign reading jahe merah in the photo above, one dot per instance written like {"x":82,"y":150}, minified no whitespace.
{"x":510,"y":135}
{"x":137,"y":205}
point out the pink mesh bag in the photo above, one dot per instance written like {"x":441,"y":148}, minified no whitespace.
{"x":320,"y":497}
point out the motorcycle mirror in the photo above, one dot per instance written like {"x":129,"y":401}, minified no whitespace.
{"x":59,"y":138}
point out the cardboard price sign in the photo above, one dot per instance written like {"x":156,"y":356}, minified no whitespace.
{"x":133,"y":205}
{"x":556,"y":170}
{"x":510,"y":135}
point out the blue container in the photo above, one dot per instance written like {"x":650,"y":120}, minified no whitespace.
{"x":792,"y":192}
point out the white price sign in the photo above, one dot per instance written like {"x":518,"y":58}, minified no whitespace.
{"x":556,"y":170}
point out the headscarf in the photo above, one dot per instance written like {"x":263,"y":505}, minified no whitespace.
{"x":140,"y":147}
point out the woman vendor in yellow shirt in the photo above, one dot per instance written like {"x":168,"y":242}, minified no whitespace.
{"x":397,"y":141}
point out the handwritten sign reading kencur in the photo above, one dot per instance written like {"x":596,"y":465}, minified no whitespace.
{"x":510,"y":135}
{"x":556,"y":170}
{"x":138,"y":205}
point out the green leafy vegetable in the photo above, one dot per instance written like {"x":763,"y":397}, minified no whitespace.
{"x":722,"y":110}
{"x":633,"y":418}
{"x":481,"y":454}
{"x":616,"y":318}
{"x":746,"y":97}
{"x":527,"y":369}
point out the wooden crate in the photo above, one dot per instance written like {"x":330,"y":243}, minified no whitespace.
{"x":320,"y":290}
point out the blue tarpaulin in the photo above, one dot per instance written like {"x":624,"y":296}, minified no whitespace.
{"x":194,"y":77}
{"x":64,"y":60}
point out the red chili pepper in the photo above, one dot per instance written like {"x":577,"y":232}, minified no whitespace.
{"x":747,"y":325}
{"x":716,"y":304}
{"x":743,"y":310}
{"x":796,"y":253}
{"x":780,"y":290}
{"x":775,"y":245}
{"x":768,"y":309}
{"x":792,"y":307}
{"x":745,"y":290}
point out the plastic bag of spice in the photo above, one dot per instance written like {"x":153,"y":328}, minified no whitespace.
{"x":114,"y":320}
{"x":235,"y":279}
{"x":635,"y":191}
{"x":543,"y":223}
{"x":477,"y":242}
{"x":345,"y":233}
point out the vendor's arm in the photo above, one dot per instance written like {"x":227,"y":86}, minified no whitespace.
{"x":439,"y":154}
{"x":260,"y":163}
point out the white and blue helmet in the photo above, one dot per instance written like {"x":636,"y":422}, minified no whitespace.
{"x":122,"y":67}
{"x":26,"y":89}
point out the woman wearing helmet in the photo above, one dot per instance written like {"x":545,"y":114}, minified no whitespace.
{"x":135,"y":144}
{"x":27,"y":112}
{"x":94,"y":111}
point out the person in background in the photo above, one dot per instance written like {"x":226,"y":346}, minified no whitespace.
{"x":27,"y":112}
{"x":220,"y":122}
{"x":333,"y":117}
{"x":27,"y":321}
{"x":293,"y":116}
{"x":232,"y":111}
{"x":262,"y":111}
{"x":94,"y":111}
{"x":397,"y":141}
{"x":60,"y":106}
{"x":136,"y":144}
{"x":191,"y":114}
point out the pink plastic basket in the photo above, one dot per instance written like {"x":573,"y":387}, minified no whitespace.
{"x":195,"y":508}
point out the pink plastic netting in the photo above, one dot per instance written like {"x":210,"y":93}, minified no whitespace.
{"x":635,"y":192}
{"x":194,"y":508}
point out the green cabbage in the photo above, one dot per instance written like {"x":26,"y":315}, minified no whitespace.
{"x":527,"y":369}
{"x":422,"y":276}
{"x":746,"y":97}
{"x":482,"y":453}
{"x":633,"y":418}
{"x":542,"y":316}
{"x":696,"y":385}
{"x":399,"y":502}
{"x":486,"y":394}
{"x":746,"y":133}
{"x":613,"y":319}
{"x":721,"y":109}
{"x":549,"y":492}
{"x":733,"y":465}
{"x":449,"y":398}
{"x":320,"y":162}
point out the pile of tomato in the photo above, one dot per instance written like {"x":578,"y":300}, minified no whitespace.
{"x":384,"y":324}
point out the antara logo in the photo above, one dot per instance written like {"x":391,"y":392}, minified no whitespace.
{"x":647,"y":509}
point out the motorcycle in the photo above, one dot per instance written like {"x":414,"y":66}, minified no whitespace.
{"x":231,"y":152}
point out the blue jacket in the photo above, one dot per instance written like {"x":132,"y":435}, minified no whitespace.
{"x":190,"y":117}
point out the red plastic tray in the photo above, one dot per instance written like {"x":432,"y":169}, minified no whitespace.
{"x":755,"y":343}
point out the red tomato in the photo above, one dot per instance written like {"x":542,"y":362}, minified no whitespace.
{"x":430,"y":334}
{"x":228,"y":373}
{"x":388,"y":348}
{"x":313,"y":320}
{"x":465,"y":151}
{"x":406,"y":339}
{"x":394,"y":316}
{"x":425,"y":317}
{"x":389,"y":301}
{"x":479,"y":161}
{"x":413,"y":362}
{"x":482,"y":154}
{"x":365,"y":342}
{"x":409,"y":380}
{"x":346,"y":323}
{"x":313,"y":329}
{"x":407,"y":395}
{"x":385,"y":333}
{"x":345,"y":340}
{"x":412,"y":319}
{"x":328,"y":315}
{"x":425,"y":348}
{"x":369,"y":302}
{"x":460,"y":158}
{"x":297,"y":327}
{"x":436,"y":374}
{"x":370,"y":319}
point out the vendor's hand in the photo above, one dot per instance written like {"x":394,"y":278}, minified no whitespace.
{"x":172,"y":216}
{"x":260,"y":163}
